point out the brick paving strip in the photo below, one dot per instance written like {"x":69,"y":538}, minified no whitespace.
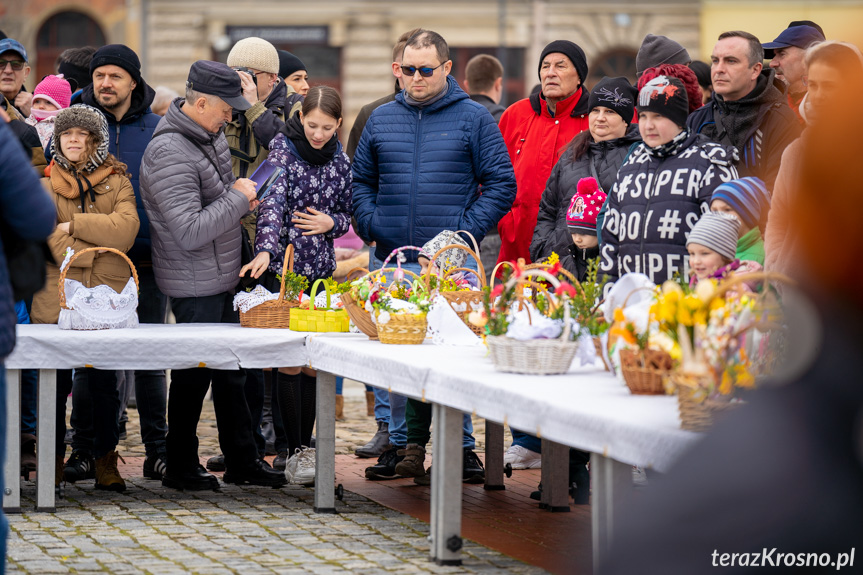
{"x":149,"y":529}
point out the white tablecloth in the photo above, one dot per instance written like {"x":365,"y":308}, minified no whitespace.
{"x":586,"y":408}
{"x":157,"y":346}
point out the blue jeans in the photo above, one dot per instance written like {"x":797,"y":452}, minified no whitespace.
{"x":526,"y":440}
{"x":398,"y":427}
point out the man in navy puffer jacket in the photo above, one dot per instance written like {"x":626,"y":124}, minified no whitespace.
{"x":417,"y":171}
{"x":421,"y":159}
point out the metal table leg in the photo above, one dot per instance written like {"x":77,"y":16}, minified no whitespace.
{"x":493,"y":456}
{"x":12,"y":468}
{"x":325,"y":444}
{"x":555,"y":476}
{"x":611,"y":481}
{"x":45,"y":447}
{"x":446,"y":542}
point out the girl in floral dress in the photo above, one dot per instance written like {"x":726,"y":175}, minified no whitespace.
{"x":309,"y":207}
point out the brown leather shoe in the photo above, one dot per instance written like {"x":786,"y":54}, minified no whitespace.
{"x":413,"y":464}
{"x":107,"y":474}
{"x":28,"y":453}
{"x":370,"y":403}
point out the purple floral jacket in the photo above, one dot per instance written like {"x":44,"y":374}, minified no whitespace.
{"x":326,"y":188}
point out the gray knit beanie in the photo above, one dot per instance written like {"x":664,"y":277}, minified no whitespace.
{"x":656,"y":50}
{"x":87,"y":118}
{"x":717,"y":231}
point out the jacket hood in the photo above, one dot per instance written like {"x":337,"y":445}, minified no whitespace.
{"x":453,"y":94}
{"x":142,"y":97}
{"x":581,"y":100}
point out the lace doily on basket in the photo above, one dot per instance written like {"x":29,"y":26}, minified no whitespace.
{"x":244,"y":301}
{"x":98,"y":307}
{"x":446,"y":328}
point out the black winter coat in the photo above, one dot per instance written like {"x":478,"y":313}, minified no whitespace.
{"x":655,"y":202}
{"x":551,"y":233}
{"x":760,"y":125}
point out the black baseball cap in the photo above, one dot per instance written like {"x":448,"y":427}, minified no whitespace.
{"x":799,"y":36}
{"x":217,"y":79}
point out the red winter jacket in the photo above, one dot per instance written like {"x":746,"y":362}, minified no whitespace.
{"x":535,"y":141}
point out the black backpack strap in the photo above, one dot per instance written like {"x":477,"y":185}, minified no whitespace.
{"x":194,"y":143}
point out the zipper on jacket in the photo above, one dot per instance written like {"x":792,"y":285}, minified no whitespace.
{"x":414,"y":180}
{"x":642,"y":231}
{"x":117,"y":140}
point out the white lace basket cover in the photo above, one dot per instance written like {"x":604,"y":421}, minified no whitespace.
{"x":97,"y":307}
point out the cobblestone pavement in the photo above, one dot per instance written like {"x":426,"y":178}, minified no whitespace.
{"x":251,"y":530}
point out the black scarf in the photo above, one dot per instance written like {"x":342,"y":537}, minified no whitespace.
{"x":668,"y":148}
{"x":737,"y":121}
{"x":294,"y":131}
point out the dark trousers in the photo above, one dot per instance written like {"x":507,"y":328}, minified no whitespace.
{"x":104,"y":395}
{"x":418,"y":416}
{"x":151,"y":388}
{"x":255,"y":398}
{"x":189,"y":386}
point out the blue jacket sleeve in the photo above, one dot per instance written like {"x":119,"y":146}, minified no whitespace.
{"x":365,"y":182}
{"x":25,"y":207}
{"x":493,"y":169}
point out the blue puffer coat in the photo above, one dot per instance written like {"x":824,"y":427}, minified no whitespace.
{"x":418,"y":171}
{"x":27,"y":212}
{"x":128,"y":140}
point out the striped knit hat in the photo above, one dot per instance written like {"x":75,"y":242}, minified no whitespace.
{"x":748,"y":197}
{"x":718,"y":232}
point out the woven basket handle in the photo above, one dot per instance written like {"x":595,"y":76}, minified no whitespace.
{"x":472,"y":240}
{"x":60,"y":285}
{"x":497,"y":267}
{"x":287,"y":266}
{"x":471,"y":253}
{"x":362,"y":272}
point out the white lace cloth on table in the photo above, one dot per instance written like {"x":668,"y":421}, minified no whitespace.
{"x":98,"y":307}
{"x":446,"y":328}
{"x":246,"y":300}
{"x":397,"y":304}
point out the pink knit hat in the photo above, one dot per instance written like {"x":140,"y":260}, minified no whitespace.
{"x":55,"y":90}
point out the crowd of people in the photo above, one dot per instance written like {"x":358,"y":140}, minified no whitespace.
{"x":690,"y":172}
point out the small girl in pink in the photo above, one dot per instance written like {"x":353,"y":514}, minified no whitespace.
{"x":51,"y":95}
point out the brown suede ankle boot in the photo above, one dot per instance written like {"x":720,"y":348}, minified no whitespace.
{"x":370,"y":403}
{"x":107,"y":474}
{"x":413,"y":465}
{"x":340,"y":408}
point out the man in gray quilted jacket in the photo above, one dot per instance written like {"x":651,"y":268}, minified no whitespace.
{"x":195,"y":204}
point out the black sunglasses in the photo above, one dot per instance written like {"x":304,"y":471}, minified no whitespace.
{"x":424,"y":71}
{"x":17,"y":65}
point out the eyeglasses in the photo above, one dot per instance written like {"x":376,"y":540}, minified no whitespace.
{"x":17,"y":65}
{"x":424,"y":71}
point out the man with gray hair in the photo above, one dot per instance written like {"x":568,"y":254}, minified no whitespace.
{"x":195,"y":204}
{"x":748,"y":110}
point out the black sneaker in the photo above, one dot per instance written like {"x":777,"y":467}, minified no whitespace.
{"x":79,"y":466}
{"x":386,"y":466}
{"x":472,"y":469}
{"x":154,"y":467}
{"x":194,"y":479}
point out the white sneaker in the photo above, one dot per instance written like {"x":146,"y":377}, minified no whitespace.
{"x":292,"y":464}
{"x":522,"y":458}
{"x":304,"y":473}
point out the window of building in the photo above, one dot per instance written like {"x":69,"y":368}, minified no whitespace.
{"x":62,"y":31}
{"x":613,"y":63}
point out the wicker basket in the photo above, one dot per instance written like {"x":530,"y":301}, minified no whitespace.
{"x":361,"y":318}
{"x":79,"y":319}
{"x":695,"y":415}
{"x":644,"y":371}
{"x":403,"y":329}
{"x":536,"y":356}
{"x":320,"y":320}
{"x":463,"y":298}
{"x":597,"y":344}
{"x":276,"y":313}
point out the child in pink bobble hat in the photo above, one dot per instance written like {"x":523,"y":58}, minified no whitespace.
{"x":51,"y":95}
